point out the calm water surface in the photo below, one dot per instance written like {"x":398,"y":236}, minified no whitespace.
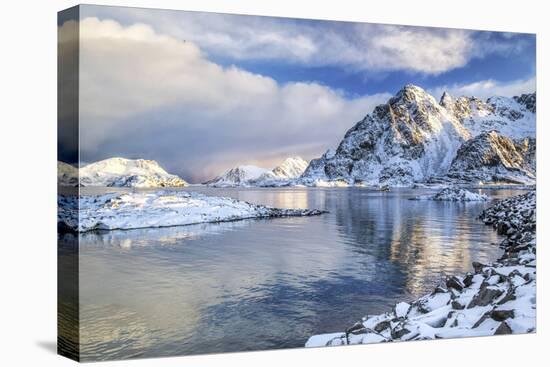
{"x":264,"y":284}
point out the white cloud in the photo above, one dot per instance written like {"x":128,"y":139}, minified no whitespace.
{"x":357,"y":46}
{"x":148,"y":94}
{"x":488,"y":88}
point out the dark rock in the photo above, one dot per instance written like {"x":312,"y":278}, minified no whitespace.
{"x":356,"y":329}
{"x":454,"y":283}
{"x":478,"y":267}
{"x":503,"y":328}
{"x":457,"y":306}
{"x":502,"y":228}
{"x":397,"y":333}
{"x":381,"y":326}
{"x":480,"y":321}
{"x":439,"y":289}
{"x":510,"y":296}
{"x":468,"y":280}
{"x":485,"y":297}
{"x":501,"y":315}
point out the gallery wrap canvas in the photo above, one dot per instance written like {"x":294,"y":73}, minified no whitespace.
{"x":232,"y":183}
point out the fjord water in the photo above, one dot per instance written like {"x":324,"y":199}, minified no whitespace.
{"x":271,"y":283}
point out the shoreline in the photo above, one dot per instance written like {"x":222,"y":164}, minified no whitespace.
{"x":498,"y":298}
{"x":156,"y":209}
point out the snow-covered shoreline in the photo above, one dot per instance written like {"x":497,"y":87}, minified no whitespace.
{"x":498,"y":298}
{"x":163,"y":208}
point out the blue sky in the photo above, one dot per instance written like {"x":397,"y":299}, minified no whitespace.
{"x":201,"y":92}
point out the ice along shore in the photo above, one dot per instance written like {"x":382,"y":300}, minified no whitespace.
{"x":498,"y":298}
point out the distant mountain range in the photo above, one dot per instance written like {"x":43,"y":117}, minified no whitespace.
{"x":414,"y":138}
{"x":291,"y":169}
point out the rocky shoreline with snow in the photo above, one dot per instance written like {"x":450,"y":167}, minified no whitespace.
{"x":134,"y":210}
{"x":498,"y":298}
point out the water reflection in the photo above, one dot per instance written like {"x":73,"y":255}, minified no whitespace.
{"x":421,"y":239}
{"x":262,"y":284}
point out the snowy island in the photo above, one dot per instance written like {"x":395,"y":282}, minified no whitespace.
{"x":159,"y":209}
{"x":453,"y":194}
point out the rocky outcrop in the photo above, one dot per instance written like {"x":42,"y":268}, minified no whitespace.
{"x":528,"y":100}
{"x":494,"y":299}
{"x":453,"y":194}
{"x":494,"y":158}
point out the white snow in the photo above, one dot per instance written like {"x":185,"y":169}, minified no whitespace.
{"x":159,"y":209}
{"x":118,"y":172}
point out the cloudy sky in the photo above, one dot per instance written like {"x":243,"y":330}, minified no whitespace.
{"x":202,"y":92}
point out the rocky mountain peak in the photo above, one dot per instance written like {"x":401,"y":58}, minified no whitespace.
{"x":291,"y":167}
{"x":529,"y":101}
{"x":413,"y":137}
{"x":447,"y":101}
{"x":411,"y":94}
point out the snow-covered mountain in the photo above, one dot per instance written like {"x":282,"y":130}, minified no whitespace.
{"x":283,"y":174}
{"x":290,"y":169}
{"x":122,"y":172}
{"x":491,"y":157}
{"x":512,"y":117}
{"x":237,"y":176}
{"x":413,"y":137}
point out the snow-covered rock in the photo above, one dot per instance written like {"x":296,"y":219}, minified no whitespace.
{"x":529,"y":101}
{"x":498,"y":298}
{"x":453,"y":194}
{"x":118,"y":172}
{"x":494,"y":158}
{"x":413,"y":137}
{"x":158,"y":209}
{"x":512,"y":117}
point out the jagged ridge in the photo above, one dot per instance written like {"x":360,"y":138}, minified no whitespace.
{"x":414,"y":138}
